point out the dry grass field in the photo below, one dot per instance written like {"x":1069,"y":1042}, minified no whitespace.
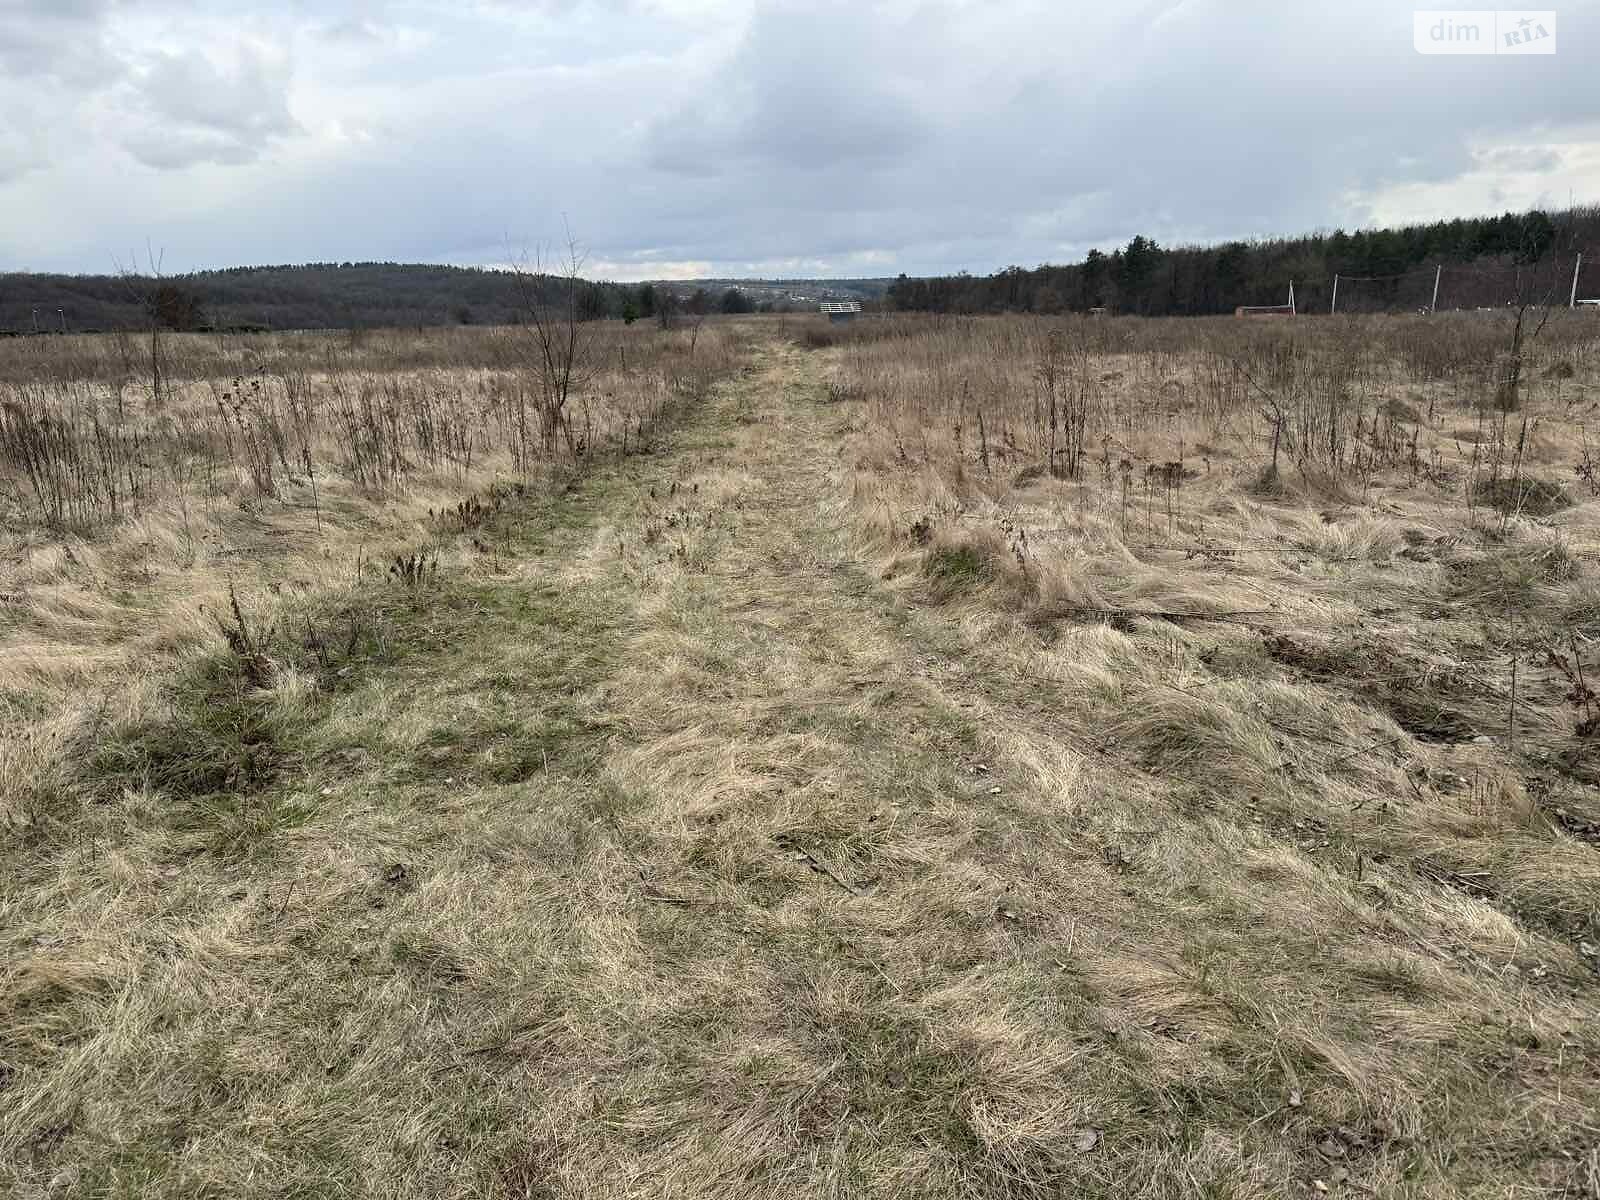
{"x":135,"y":511}
{"x":959,"y":758}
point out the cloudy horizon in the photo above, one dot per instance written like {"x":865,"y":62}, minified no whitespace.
{"x":742,"y":138}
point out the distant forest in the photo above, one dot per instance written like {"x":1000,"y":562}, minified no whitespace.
{"x":327,"y":296}
{"x":1485,"y":261}
{"x":1477,"y":262}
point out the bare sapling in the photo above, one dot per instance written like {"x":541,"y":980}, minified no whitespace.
{"x":557,"y":346}
{"x":1536,"y":291}
{"x":147,"y":293}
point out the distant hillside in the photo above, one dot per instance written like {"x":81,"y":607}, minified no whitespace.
{"x":365,"y":295}
{"x":1480,"y":261}
{"x":316,"y":295}
{"x":1477,"y":262}
{"x":796,"y":291}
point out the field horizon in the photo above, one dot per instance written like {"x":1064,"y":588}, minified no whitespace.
{"x":1487,"y":261}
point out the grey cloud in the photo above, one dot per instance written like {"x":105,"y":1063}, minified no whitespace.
{"x":53,"y":59}
{"x":193,"y":108}
{"x":169,"y":150}
{"x":64,"y":41}
{"x":246,"y":97}
{"x":941,"y":133}
{"x":806,"y":89}
{"x":21,"y":150}
{"x":70,"y":75}
{"x":1521,"y":158}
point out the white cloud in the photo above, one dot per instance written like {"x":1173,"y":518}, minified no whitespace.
{"x":1561,"y":169}
{"x":632,"y":272}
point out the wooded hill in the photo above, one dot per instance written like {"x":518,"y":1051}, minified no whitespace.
{"x":324,"y":296}
{"x":1485,"y":261}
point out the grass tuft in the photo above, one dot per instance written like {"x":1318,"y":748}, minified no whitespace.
{"x":215,"y":732}
{"x":1524,"y":495}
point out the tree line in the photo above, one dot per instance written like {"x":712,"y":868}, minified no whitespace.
{"x":350,"y":295}
{"x":1487,"y":261}
{"x":1490,"y":261}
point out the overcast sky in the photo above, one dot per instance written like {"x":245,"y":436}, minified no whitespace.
{"x":756,"y":137}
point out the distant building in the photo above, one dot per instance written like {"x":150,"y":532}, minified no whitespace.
{"x":840,"y":310}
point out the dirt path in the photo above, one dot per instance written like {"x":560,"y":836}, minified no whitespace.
{"x":903,"y":927}
{"x":854,"y":882}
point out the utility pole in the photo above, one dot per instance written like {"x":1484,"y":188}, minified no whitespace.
{"x":1333,"y":305}
{"x":1572,"y":300}
{"x":1433,"y":305}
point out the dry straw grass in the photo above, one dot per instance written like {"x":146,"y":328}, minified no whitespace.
{"x":279,"y":467}
{"x":837,"y":799}
{"x":1324,"y":608}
